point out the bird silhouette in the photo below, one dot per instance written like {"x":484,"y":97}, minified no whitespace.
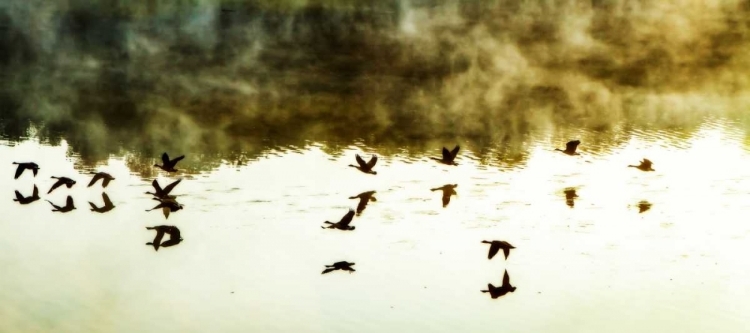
{"x":448,"y":156}
{"x":26,"y":165}
{"x":61,"y":181}
{"x":174,"y":236}
{"x":167,"y":164}
{"x":167,"y":205}
{"x":505,"y":288}
{"x":27,"y":200}
{"x":64,"y":209}
{"x":160,"y":230}
{"x":364,"y":198}
{"x":163,"y":193}
{"x":448,"y":191}
{"x":570,"y":195}
{"x":570,"y":148}
{"x":644,"y":166}
{"x":107,"y":205}
{"x":643,"y":206}
{"x":343,"y":224}
{"x":341,"y":265}
{"x":365,"y":167}
{"x":105,"y":177}
{"x":496,"y":245}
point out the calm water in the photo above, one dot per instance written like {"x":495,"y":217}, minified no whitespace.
{"x":254,"y":249}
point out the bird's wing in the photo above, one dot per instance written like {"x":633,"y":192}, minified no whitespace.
{"x":372,"y":162}
{"x":347,"y":218}
{"x":165,"y":158}
{"x":171,"y":186}
{"x":177,"y":159}
{"x":36,"y":192}
{"x":95,"y":179}
{"x":446,"y":200}
{"x":69,"y":202}
{"x":35,"y":170}
{"x":506,"y":279}
{"x":159,"y":236}
{"x":454,"y":152}
{"x":506,"y":251}
{"x":493,"y":250}
{"x":19,"y":170}
{"x":93,"y":207}
{"x":107,"y":202}
{"x":156,"y":186}
{"x":19,"y":197}
{"x":360,"y":161}
{"x":106,"y":181}
{"x":572,"y":145}
{"x":328,"y":270}
{"x":446,"y":154}
{"x":166,"y":211}
{"x":174,"y":233}
{"x":56,"y":185}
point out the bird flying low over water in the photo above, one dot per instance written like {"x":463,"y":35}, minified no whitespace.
{"x":644,"y":166}
{"x":26,"y":165}
{"x":448,"y":156}
{"x":167,"y":164}
{"x":64,"y":209}
{"x":341,"y":265}
{"x":167,"y":205}
{"x":61,"y":181}
{"x":174,"y":236}
{"x":27,"y":200}
{"x":107,"y":205}
{"x":365,"y":167}
{"x":570,"y":148}
{"x":505,"y":288}
{"x":364,"y":198}
{"x":448,"y":191}
{"x":343,"y":224}
{"x":105,"y":177}
{"x":163,"y":193}
{"x":496,"y":245}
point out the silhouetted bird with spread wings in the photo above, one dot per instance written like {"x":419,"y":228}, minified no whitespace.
{"x":167,"y":164}
{"x":343,"y":224}
{"x":60,"y":182}
{"x":341,"y":265}
{"x":26,"y":165}
{"x":64,"y":209}
{"x":570,"y":148}
{"x":505,"y":288}
{"x":364,"y":198}
{"x":496,"y":245}
{"x":105,"y":177}
{"x":448,"y":156}
{"x":27,"y":200}
{"x":107,"y":205}
{"x":366,"y":167}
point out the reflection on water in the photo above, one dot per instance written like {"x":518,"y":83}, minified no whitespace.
{"x":69,"y":206}
{"x":108,"y":205}
{"x":570,"y":196}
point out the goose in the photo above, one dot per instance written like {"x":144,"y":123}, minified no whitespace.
{"x":644,"y":166}
{"x":448,"y":156}
{"x":167,"y":164}
{"x":167,"y":206}
{"x":364,"y":198}
{"x":64,"y":209}
{"x":107,"y":205}
{"x":105,"y":177}
{"x":448,"y":191}
{"x":570,"y":148}
{"x":496,"y":245}
{"x":343,"y":224}
{"x":643,"y":206}
{"x":163,"y":193}
{"x":61,"y":181}
{"x":505,"y":288}
{"x":366,"y":167}
{"x":26,"y":165}
{"x":342,"y":265}
{"x":27,"y":200}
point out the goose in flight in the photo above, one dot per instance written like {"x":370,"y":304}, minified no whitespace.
{"x":163,"y":193}
{"x":364,"y":198}
{"x":26,"y":165}
{"x":644,"y":166}
{"x":27,"y":200}
{"x":174,"y":236}
{"x":64,"y":209}
{"x":343,"y":224}
{"x":570,"y":148}
{"x":167,"y":164}
{"x":341,"y":265}
{"x":107,"y":205}
{"x":448,"y":191}
{"x":643,"y":206}
{"x":448,"y":156}
{"x":366,"y":167}
{"x":61,"y":181}
{"x":496,"y":245}
{"x":167,"y":205}
{"x":505,"y":288}
{"x":105,"y":177}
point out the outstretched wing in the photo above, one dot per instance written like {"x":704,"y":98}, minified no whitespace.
{"x":19,"y":170}
{"x":361,"y":162}
{"x":506,"y":251}
{"x":506,"y":279}
{"x":35,"y":194}
{"x":105,"y":182}
{"x":95,"y":179}
{"x":165,"y":158}
{"x":107,"y":202}
{"x":156,"y":186}
{"x":171,"y":186}
{"x":166,"y":211}
{"x":19,"y":197}
{"x":177,"y":159}
{"x":347,"y":218}
{"x":157,"y":239}
{"x":69,"y":202}
{"x":93,"y":207}
{"x":372,"y":162}
{"x":494,"y":248}
{"x":56,"y":185}
{"x":572,"y":145}
{"x":446,"y":154}
{"x":328,"y":270}
{"x":454,"y":152}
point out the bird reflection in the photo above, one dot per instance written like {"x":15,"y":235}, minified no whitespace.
{"x":105,"y":177}
{"x":163,"y":193}
{"x":366,"y":167}
{"x":27,"y":200}
{"x":570,"y":148}
{"x":341,"y":265}
{"x":496,"y":245}
{"x":570,"y":195}
{"x":107,"y":205}
{"x":26,"y":165}
{"x":364,"y":198}
{"x":505,"y":288}
{"x":167,"y":205}
{"x":64,"y":209}
{"x":174,"y":236}
{"x":448,"y":191}
{"x":343,"y":224}
{"x":448,"y":156}
{"x":61,"y":181}
{"x":644,"y":166}
{"x":643,"y":206}
{"x":167,"y":164}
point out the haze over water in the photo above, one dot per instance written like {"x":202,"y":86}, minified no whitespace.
{"x":270,"y":101}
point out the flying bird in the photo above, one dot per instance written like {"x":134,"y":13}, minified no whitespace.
{"x":167,"y":164}
{"x":61,"y":181}
{"x":27,"y":200}
{"x":107,"y":205}
{"x":505,"y":288}
{"x":644,"y":166}
{"x":364,"y":198}
{"x":448,"y":156}
{"x":365,"y":167}
{"x":167,"y":205}
{"x":26,"y":165}
{"x":343,"y":224}
{"x":495,"y":246}
{"x":448,"y":191}
{"x":341,"y":265}
{"x":163,"y":193}
{"x":64,"y":209}
{"x":174,"y":236}
{"x":105,"y":177}
{"x":570,"y":148}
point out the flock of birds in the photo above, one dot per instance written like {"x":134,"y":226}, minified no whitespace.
{"x":168,"y":204}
